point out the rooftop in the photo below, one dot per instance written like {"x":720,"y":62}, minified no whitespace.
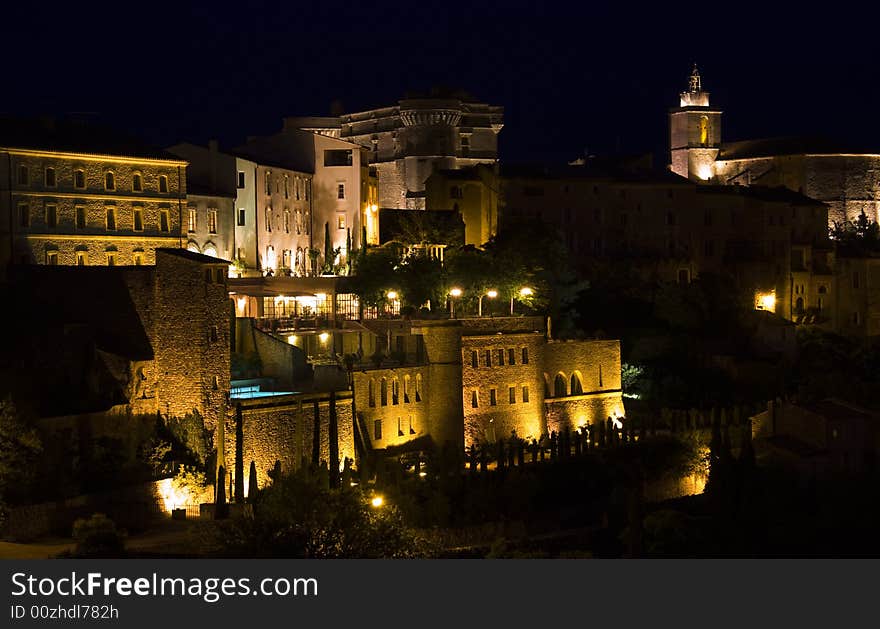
{"x":73,"y":135}
{"x":788,"y":145}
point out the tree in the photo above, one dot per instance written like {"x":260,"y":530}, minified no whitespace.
{"x":348,"y":260}
{"x":375,"y":273}
{"x":252,"y":483}
{"x":20,"y":448}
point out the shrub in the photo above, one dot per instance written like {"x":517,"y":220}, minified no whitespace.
{"x":98,"y":537}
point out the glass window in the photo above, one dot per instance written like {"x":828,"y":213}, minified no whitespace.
{"x":50,"y":178}
{"x":137,"y":182}
{"x":163,"y":183}
{"x":109,"y":181}
{"x":79,"y":179}
{"x":51,"y":216}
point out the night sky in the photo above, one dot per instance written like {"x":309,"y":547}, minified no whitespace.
{"x":596,"y":76}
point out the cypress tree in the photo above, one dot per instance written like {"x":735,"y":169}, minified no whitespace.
{"x":221,"y":509}
{"x":328,"y":249}
{"x":334,"y":442}
{"x":348,"y":250}
{"x":252,"y":483}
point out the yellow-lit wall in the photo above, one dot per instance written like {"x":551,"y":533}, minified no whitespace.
{"x":33,"y":241}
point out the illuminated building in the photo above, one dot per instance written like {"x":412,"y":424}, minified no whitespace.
{"x":75,"y":194}
{"x":407,"y":141}
{"x":845,"y":178}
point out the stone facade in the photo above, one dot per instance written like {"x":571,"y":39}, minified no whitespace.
{"x":283,"y":429}
{"x":411,"y":139}
{"x":69,"y":208}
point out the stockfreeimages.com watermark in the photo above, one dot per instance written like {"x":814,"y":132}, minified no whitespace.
{"x":208,"y":589}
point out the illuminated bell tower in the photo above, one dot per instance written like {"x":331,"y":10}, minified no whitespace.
{"x":694,"y":133}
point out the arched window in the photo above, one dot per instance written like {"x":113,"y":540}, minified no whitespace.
{"x":371,"y":388}
{"x":559,"y":389}
{"x":418,"y":387}
{"x":406,"y":389}
{"x":192,"y":246}
{"x":576,"y":386}
{"x":163,"y":183}
{"x":395,"y":391}
{"x":383,"y":392}
{"x":109,"y":180}
{"x":704,"y":131}
{"x":210,"y":250}
{"x":799,"y":305}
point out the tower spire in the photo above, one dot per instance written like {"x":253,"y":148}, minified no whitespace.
{"x":694,"y":83}
{"x":695,"y":96}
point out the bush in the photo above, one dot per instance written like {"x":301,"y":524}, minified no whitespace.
{"x":97,"y":537}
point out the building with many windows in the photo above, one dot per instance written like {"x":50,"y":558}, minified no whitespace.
{"x":407,"y":141}
{"x":72,"y":193}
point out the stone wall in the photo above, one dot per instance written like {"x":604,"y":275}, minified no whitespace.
{"x":401,"y":418}
{"x":191,"y":337}
{"x":499,"y":371}
{"x":282,"y":429}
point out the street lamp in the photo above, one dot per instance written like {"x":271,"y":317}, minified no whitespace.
{"x":455,"y":292}
{"x":491,"y":294}
{"x":523,"y":292}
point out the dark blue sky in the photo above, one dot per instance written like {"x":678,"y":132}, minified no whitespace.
{"x":598,"y":75}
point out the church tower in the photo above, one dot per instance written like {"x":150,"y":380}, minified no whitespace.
{"x":694,"y":133}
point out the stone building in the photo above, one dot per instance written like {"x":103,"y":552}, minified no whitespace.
{"x":72,"y":193}
{"x":473,"y":193}
{"x":122,"y":341}
{"x":407,"y":141}
{"x":846,"y":179}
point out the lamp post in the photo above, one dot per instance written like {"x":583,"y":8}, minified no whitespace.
{"x":491,"y":294}
{"x":523,"y":292}
{"x":455,"y":292}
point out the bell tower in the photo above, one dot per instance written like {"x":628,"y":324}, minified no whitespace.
{"x":694,"y":132}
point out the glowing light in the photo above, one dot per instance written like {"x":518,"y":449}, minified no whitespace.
{"x":323,"y":336}
{"x":766,"y":301}
{"x":374,"y":208}
{"x":392,"y":295}
{"x":492,"y":294}
{"x":172,"y":497}
{"x":704,"y":172}
{"x":241,"y":302}
{"x":423,"y":474}
{"x":321,"y":296}
{"x":455,"y":292}
{"x":526,"y":291}
{"x":377,"y":501}
{"x":617,"y":423}
{"x":292,"y":339}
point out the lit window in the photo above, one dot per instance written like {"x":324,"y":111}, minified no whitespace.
{"x":164,"y":221}
{"x":242,"y":214}
{"x":212,"y":221}
{"x":286,"y":218}
{"x":268,"y":177}
{"x":111,"y":218}
{"x":268,"y":219}
{"x":24,"y":215}
{"x":340,"y":221}
{"x":82,"y":258}
{"x":163,"y":183}
{"x":193,"y":219}
{"x":137,"y":182}
{"x":49,"y":178}
{"x":138,"y":219}
{"x":340,"y":191}
{"x":79,"y":179}
{"x":51,"y":216}
{"x":109,"y":181}
{"x":23,"y":175}
{"x":52,"y":258}
{"x":80,"y":212}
